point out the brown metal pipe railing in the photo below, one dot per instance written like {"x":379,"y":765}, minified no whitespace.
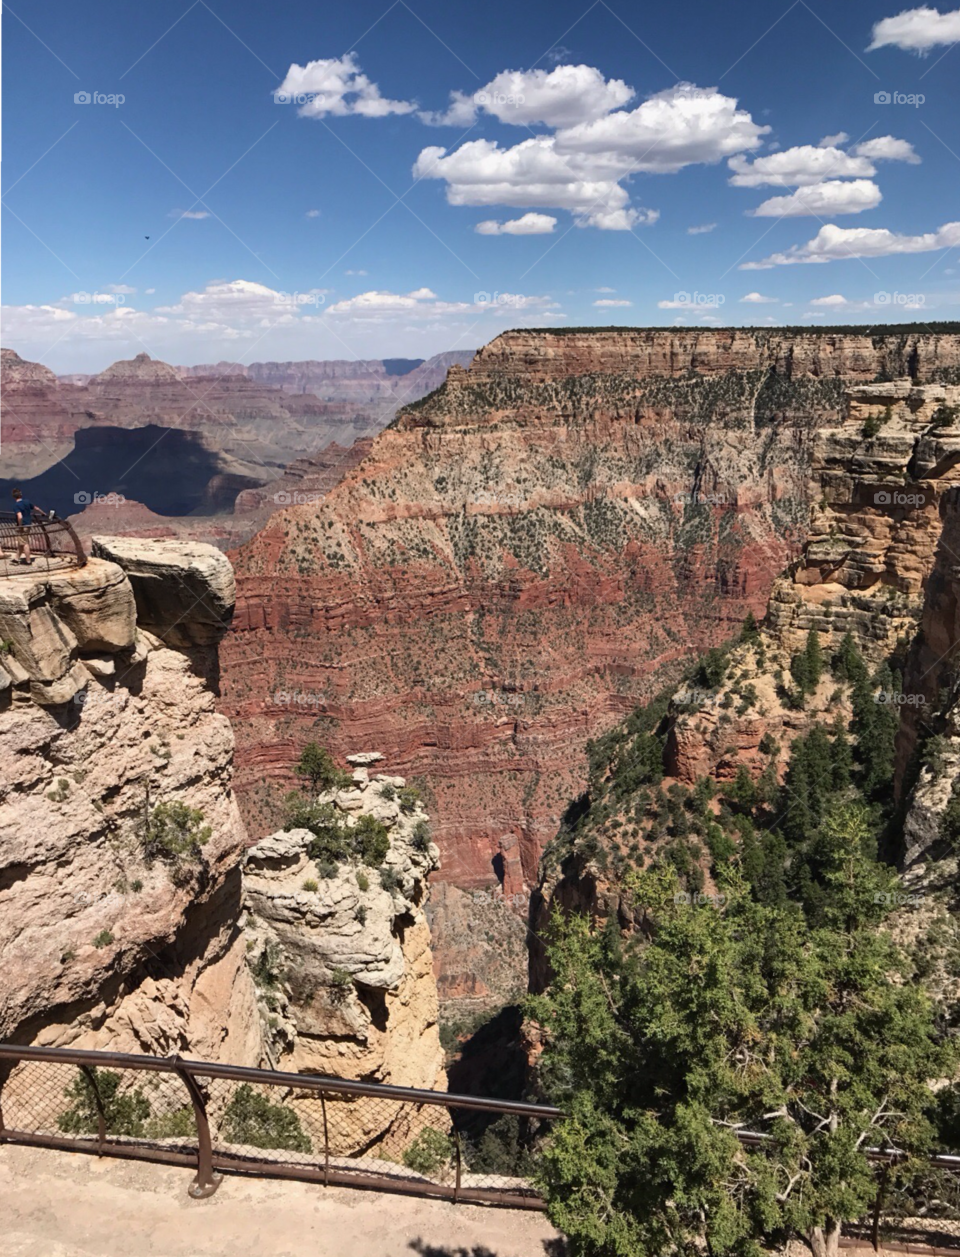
{"x":208,"y":1161}
{"x":276,"y":1077}
{"x":54,"y":545}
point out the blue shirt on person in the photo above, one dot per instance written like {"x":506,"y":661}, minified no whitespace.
{"x":26,"y":509}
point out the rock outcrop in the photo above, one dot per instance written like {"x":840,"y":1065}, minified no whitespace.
{"x":342,"y":952}
{"x":879,"y":563}
{"x":526,"y":554}
{"x":107,"y":941}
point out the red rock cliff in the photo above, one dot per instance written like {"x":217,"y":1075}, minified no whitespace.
{"x":524,"y":555}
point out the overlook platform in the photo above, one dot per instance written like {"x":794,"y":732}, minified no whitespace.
{"x":54,"y":546}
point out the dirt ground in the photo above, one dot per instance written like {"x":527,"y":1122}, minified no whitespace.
{"x":61,"y":1204}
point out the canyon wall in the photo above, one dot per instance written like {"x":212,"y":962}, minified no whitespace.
{"x":879,"y":563}
{"x":186,"y":441}
{"x":520,"y":559}
{"x":107,"y":711}
{"x":126,"y":920}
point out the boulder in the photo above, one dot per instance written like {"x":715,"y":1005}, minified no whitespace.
{"x":184,"y":590}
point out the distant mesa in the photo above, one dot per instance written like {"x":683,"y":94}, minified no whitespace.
{"x":140,"y":368}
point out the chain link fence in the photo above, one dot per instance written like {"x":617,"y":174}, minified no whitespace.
{"x":220,"y":1117}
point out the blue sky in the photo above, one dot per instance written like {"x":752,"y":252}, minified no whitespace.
{"x":386,"y":179}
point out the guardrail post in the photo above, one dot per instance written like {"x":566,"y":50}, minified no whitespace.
{"x":207,"y":1181}
{"x":91,"y":1077}
{"x":326,"y":1142}
{"x":878,"y":1205}
{"x":458,"y":1160}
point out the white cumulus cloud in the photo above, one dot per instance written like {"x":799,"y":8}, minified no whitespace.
{"x":756,"y":299}
{"x":833,"y":196}
{"x":917,"y":30}
{"x":832,"y":244}
{"x":608,"y":301}
{"x":682,"y":126}
{"x":835,"y":299}
{"x":887,"y":148}
{"x":336,"y":86}
{"x":581,"y":168}
{"x":797,"y":167}
{"x":701,"y":230}
{"x":526,"y":225}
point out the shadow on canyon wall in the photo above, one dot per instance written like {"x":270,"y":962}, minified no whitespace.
{"x":169,"y":471}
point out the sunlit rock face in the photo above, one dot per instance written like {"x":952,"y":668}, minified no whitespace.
{"x":102,"y":720}
{"x":522,"y":557}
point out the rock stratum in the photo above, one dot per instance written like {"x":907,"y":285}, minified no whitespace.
{"x":114,"y":934}
{"x":104,"y":716}
{"x":879,"y":567}
{"x":185,"y":442}
{"x":519,"y":559}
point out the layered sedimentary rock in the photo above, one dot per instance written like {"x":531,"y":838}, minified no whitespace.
{"x":104,"y":944}
{"x":526,"y":554}
{"x":188,"y":441}
{"x":879,"y":482}
{"x":384,"y":380}
{"x":879,"y":563}
{"x":342,"y":953}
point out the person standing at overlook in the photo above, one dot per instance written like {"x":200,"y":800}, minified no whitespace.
{"x":24,"y":509}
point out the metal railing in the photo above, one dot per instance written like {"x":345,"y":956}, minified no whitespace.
{"x":54,"y":546}
{"x":265,"y":1122}
{"x":369,"y":1135}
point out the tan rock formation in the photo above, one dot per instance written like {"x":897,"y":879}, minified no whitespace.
{"x":354,"y":994}
{"x":103,"y":945}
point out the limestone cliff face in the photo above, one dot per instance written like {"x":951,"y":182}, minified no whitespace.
{"x":879,"y":561}
{"x":342,"y":954}
{"x":105,"y":715}
{"x":525,"y":555}
{"x":928,"y":743}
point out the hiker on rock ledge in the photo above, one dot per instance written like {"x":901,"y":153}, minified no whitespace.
{"x":24,"y":509}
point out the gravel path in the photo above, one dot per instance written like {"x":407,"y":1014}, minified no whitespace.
{"x":61,"y":1204}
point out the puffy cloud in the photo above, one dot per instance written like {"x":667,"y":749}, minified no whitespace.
{"x":608,"y":301}
{"x":563,"y":97}
{"x":834,"y":141}
{"x":798,"y":167}
{"x":559,"y":98}
{"x":678,"y":127}
{"x":835,"y":299}
{"x":531,"y":173}
{"x":916,"y":30}
{"x":581,"y":167}
{"x":701,"y":230}
{"x":123,"y":289}
{"x":176,"y":213}
{"x":527,"y":225}
{"x":461,"y":112}
{"x":886,"y":148}
{"x":337,"y":86}
{"x":833,"y":243}
{"x":422,"y":303}
{"x":834,"y":196}
{"x":755,"y":298}
{"x":243,"y":302}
